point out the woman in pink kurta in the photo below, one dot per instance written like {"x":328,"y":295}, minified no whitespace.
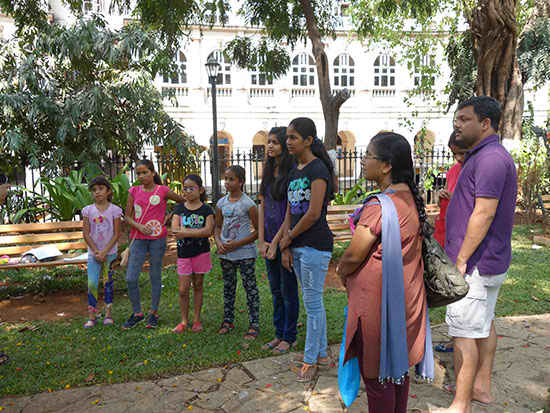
{"x":388,"y":162}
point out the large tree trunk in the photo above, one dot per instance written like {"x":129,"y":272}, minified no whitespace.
{"x":330,"y":102}
{"x":494,"y":28}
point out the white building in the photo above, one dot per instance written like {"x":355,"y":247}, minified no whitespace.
{"x":249,"y":105}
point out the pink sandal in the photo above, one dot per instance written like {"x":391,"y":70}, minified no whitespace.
{"x":180,"y":328}
{"x":197,"y":327}
{"x":90,"y":323}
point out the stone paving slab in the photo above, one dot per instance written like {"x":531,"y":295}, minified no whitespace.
{"x":521,"y":384}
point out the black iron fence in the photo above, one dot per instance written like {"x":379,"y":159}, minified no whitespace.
{"x":430,"y":170}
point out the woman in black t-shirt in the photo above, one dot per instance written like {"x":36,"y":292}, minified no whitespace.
{"x":192,"y":224}
{"x":307,"y":234}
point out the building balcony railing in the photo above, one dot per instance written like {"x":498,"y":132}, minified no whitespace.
{"x":221,"y":92}
{"x":303,"y":92}
{"x":383,"y":92}
{"x":261,"y":92}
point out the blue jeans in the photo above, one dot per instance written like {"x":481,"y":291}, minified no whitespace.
{"x":311,"y":267}
{"x":138,"y":253}
{"x":286,"y":305}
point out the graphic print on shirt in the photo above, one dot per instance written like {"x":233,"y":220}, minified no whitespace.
{"x":101,"y":227}
{"x":156,"y":227}
{"x":193,"y":221}
{"x":137,"y":211}
{"x":230,"y":229}
{"x":299,"y":195}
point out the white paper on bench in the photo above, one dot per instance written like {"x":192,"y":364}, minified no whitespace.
{"x":46,"y":251}
{"x":80,"y":257}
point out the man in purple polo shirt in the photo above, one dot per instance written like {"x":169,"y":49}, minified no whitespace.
{"x":478,"y":239}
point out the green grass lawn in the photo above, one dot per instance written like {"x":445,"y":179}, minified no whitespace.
{"x":63,"y":355}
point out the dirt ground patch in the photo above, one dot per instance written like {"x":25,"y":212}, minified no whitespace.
{"x":332,"y":280}
{"x":52,"y":307}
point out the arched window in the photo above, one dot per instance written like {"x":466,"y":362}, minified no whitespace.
{"x":224,"y":74}
{"x":179,"y":77}
{"x":303,"y":70}
{"x":384,"y":71}
{"x":258,"y":78}
{"x":344,"y":71}
{"x":419,"y":76}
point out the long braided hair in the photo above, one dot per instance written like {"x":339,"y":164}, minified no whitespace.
{"x":393,"y":148}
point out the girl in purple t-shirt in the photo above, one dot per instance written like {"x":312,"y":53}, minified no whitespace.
{"x":101,"y":233}
{"x":145,"y":213}
{"x":271,"y":214}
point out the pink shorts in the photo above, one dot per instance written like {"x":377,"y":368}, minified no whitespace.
{"x":201,"y":264}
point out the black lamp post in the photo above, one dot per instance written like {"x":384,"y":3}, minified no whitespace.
{"x":212,"y":68}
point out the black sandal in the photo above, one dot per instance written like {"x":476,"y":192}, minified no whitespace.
{"x":226,"y":328}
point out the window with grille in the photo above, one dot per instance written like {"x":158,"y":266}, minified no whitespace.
{"x":420,"y":78}
{"x":178,"y":77}
{"x":224,"y":74}
{"x":384,"y":71}
{"x":258,"y":78}
{"x":303,"y":70}
{"x":344,"y":71}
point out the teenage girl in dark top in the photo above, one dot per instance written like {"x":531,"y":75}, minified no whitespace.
{"x":272,"y":211}
{"x":307,"y":234}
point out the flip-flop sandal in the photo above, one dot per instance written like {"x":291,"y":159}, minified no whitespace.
{"x":443,"y":348}
{"x":299,"y":360}
{"x":273,"y":344}
{"x":4,"y":358}
{"x":197,"y":328}
{"x":307,"y":375}
{"x":279,"y":350}
{"x":451,"y":388}
{"x":108,"y":321}
{"x":90,"y":323}
{"x":226,"y":328}
{"x":251,"y":334}
{"x":180,"y":328}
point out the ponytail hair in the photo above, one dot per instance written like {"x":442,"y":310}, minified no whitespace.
{"x":197,"y":179}
{"x":149,"y":165}
{"x":240,"y":173}
{"x":394,"y":149}
{"x":306,"y":127}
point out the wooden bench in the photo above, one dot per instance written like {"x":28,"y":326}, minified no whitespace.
{"x":544,"y":205}
{"x":338,"y":219}
{"x":16,"y":239}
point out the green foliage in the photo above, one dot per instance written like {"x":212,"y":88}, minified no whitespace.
{"x":463,"y":68}
{"x":22,"y":207}
{"x":534,"y":53}
{"x":68,"y":195}
{"x":71,"y":94}
{"x":355,"y":195}
{"x":533,"y":161}
{"x":120,"y":185}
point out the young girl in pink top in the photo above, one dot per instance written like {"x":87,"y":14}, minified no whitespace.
{"x":145,"y":213}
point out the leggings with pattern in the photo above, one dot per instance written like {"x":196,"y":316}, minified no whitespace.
{"x":95,"y":269}
{"x":248,"y":274}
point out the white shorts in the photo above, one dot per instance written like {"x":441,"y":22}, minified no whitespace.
{"x":471,"y":317}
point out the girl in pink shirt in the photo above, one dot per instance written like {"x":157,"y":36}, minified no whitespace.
{"x":145,"y":213}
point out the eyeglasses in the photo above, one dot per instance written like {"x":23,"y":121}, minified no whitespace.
{"x":371,"y":156}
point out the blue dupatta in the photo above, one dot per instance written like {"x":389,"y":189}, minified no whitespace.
{"x":394,"y":360}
